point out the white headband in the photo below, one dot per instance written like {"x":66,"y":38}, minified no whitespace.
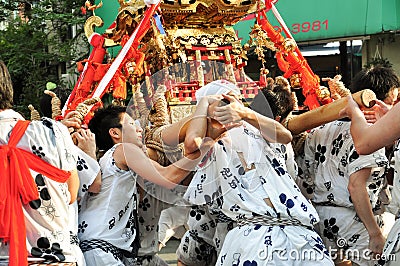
{"x":217,"y":87}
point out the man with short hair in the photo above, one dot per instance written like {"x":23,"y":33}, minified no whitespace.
{"x":108,"y":220}
{"x":346,"y":186}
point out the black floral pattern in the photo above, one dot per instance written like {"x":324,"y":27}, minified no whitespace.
{"x":201,"y":252}
{"x":250,"y":263}
{"x":47,"y":250}
{"x":43,"y":193}
{"x":320,"y":154}
{"x":82,"y":227}
{"x":47,"y":123}
{"x":354,"y":156}
{"x":85,"y":188}
{"x":331,"y":229}
{"x":144,"y":204}
{"x":203,"y":178}
{"x":330,"y":197}
{"x":38,"y":151}
{"x":337,"y":145}
{"x":278,"y":167}
{"x":328,"y":185}
{"x":81,"y":164}
{"x":215,"y":198}
{"x":196,"y":212}
{"x":309,"y":188}
{"x":235,"y":208}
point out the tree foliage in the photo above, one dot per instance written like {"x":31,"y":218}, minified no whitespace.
{"x":37,"y":44}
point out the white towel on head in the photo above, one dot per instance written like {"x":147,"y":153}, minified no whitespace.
{"x":217,"y":87}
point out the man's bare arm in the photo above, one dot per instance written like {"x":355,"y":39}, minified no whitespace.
{"x":359,"y":195}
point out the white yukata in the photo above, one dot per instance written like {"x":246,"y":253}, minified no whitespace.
{"x":155,"y":199}
{"x":87,"y":168}
{"x":202,"y":243}
{"x":173,"y":223}
{"x":224,"y":183}
{"x":46,"y":219}
{"x":108,"y":220}
{"x":331,"y":158}
{"x":391,"y":251}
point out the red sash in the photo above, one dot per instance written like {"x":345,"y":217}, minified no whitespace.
{"x":17,"y":187}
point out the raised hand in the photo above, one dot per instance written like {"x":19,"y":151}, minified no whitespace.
{"x":230,"y":113}
{"x":71,"y":121}
{"x":378,"y":110}
{"x":86,"y":141}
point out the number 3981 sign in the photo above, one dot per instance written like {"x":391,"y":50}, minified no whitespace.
{"x":316,"y":25}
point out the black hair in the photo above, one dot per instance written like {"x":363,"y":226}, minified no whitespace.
{"x":102,"y":121}
{"x":224,"y":102}
{"x":377,"y":78}
{"x":284,"y":100}
{"x":272,"y":101}
{"x":263,"y":104}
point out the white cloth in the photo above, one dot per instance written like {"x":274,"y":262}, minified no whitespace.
{"x":394,"y":205}
{"x":110,"y":215}
{"x":217,"y":87}
{"x":201,"y":244}
{"x":330,"y":159}
{"x":96,"y":257}
{"x":223,"y":183}
{"x":344,"y":233}
{"x":290,"y":161}
{"x":151,"y":2}
{"x":391,"y":251}
{"x":155,"y":199}
{"x":171,"y":219}
{"x":46,"y":218}
{"x":88,"y":168}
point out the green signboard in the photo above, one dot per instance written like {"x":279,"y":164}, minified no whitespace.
{"x":310,"y":20}
{"x":108,"y":12}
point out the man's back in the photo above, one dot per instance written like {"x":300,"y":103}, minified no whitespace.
{"x":331,"y":159}
{"x":45,"y":218}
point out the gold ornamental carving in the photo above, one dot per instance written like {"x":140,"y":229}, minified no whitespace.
{"x":181,"y":111}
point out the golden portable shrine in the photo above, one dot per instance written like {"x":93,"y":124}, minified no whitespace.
{"x":169,"y":49}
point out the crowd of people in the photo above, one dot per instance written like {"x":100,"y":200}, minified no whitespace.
{"x":242,"y":193}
